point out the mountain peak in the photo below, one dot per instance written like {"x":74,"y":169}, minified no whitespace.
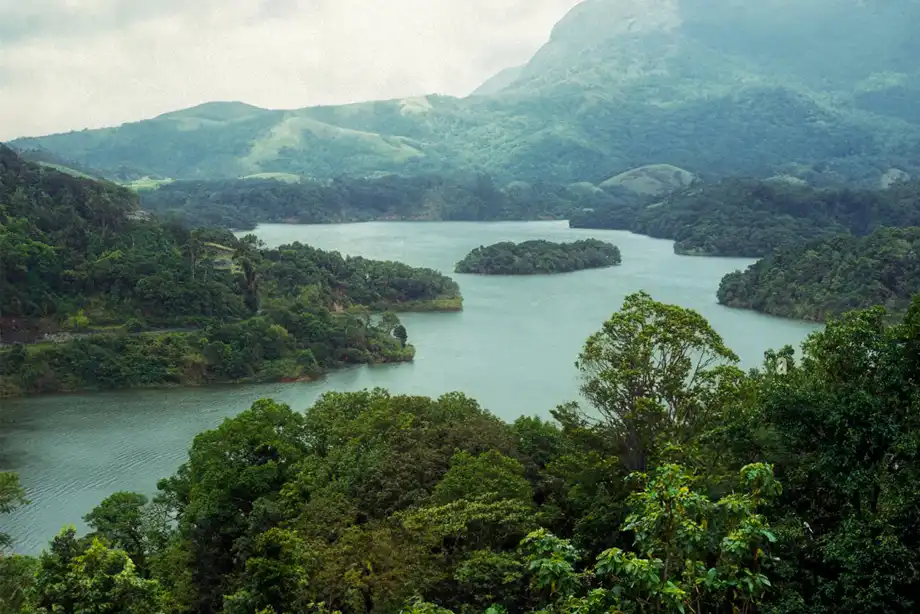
{"x":216,"y":111}
{"x":596,"y":20}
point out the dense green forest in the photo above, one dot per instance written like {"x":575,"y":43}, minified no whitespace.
{"x":78,"y":258}
{"x":680,"y":485}
{"x":539,"y":257}
{"x":747,"y":218}
{"x":243,"y":203}
{"x":831,"y":276}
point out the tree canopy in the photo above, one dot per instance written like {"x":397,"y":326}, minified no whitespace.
{"x":828,"y":277}
{"x":539,"y":257}
{"x":687,"y":486}
{"x":748,"y":218}
{"x":79,"y":262}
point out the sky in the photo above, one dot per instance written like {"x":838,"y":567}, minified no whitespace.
{"x":74,"y":64}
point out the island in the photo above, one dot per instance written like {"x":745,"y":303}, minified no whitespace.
{"x":539,"y":257}
{"x":830,"y":276}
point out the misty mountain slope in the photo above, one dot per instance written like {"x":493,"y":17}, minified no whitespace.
{"x":718,"y":87}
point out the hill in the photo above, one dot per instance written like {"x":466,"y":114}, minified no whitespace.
{"x":243,"y":203}
{"x":749,"y":218}
{"x":828,"y":277}
{"x":80,"y":262}
{"x":651,"y":180}
{"x":718,"y":88}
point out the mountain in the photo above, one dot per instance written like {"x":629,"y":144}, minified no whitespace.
{"x":499,"y":81}
{"x":718,"y":87}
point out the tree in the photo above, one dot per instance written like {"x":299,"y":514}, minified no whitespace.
{"x":248,"y":257}
{"x":225,"y":494}
{"x":276,"y":575}
{"x":78,"y":578}
{"x":388,"y":322}
{"x":400,"y":333}
{"x":691,"y":554}
{"x":125,"y":521}
{"x":12,"y":496}
{"x":844,"y":426}
{"x":488,"y":476}
{"x":17,"y":576}
{"x":657,"y":375}
{"x":78,"y":321}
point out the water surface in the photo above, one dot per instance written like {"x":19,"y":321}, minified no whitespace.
{"x":512,"y":348}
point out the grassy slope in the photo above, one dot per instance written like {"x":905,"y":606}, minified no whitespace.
{"x":611,"y":91}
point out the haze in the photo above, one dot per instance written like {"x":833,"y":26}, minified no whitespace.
{"x":73,"y":64}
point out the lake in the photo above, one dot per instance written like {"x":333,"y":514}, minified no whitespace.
{"x":512,"y":348}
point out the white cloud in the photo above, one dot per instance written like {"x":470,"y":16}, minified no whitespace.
{"x":71,"y":64}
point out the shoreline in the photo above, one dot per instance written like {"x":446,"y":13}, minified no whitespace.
{"x":301,"y":379}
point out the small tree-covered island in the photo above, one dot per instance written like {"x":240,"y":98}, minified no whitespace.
{"x":539,"y":258}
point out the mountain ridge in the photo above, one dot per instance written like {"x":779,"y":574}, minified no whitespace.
{"x":620,"y":84}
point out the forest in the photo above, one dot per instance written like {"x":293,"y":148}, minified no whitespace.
{"x":822,"y":277}
{"x":136,"y":302}
{"x":243,"y":203}
{"x":539,"y":257}
{"x":680,"y":485}
{"x":748,"y":218}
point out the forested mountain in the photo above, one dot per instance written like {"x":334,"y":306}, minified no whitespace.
{"x":77,"y":256}
{"x":539,"y":257}
{"x":682,"y":484}
{"x":717,"y":87}
{"x":749,"y":218}
{"x":828,"y":277}
{"x":243,"y":203}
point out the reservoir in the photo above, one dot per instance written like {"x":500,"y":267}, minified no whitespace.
{"x":513,"y":349}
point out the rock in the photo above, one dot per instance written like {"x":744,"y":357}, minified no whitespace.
{"x":651,"y":180}
{"x":583,"y":188}
{"x":787,"y":179}
{"x":893,"y":176}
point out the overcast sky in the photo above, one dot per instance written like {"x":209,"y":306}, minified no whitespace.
{"x":73,"y":64}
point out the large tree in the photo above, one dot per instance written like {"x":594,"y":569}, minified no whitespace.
{"x":656,"y":375}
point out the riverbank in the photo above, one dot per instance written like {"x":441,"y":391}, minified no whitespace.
{"x":447,"y":304}
{"x":279,"y":371}
{"x":286,"y":345}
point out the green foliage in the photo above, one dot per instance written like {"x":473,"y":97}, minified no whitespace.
{"x":658,"y":377}
{"x":746,"y":218}
{"x":12,"y":496}
{"x":17,"y":576}
{"x":537,"y":257}
{"x":487,"y":476}
{"x":373,"y":503}
{"x":679,"y":86}
{"x":844,"y":430}
{"x":53,"y":229}
{"x":127,"y":521}
{"x":831,"y":276}
{"x":238,"y":311}
{"x":76,"y":577}
{"x":245,"y":202}
{"x":400,"y":333}
{"x":78,"y":321}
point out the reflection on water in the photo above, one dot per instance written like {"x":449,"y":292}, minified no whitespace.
{"x":512,"y":348}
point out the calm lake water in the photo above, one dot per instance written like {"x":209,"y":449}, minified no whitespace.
{"x":512,"y":348}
